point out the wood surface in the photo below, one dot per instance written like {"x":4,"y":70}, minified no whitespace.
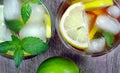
{"x":109,"y":63}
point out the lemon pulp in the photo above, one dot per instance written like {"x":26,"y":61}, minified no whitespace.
{"x":74,"y":27}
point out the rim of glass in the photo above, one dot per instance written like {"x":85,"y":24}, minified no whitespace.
{"x":68,"y":46}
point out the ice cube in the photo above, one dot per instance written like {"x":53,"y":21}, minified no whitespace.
{"x":108,"y":24}
{"x":12,"y":9}
{"x":38,"y":14}
{"x":1,"y":14}
{"x":35,"y":30}
{"x":5,"y":34}
{"x":96,"y":45}
{"x":114,"y":11}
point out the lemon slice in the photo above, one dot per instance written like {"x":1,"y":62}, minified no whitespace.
{"x":92,"y":32}
{"x":74,"y":26}
{"x":97,"y":3}
{"x":48,"y":26}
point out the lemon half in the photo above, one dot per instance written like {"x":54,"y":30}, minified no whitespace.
{"x":74,"y":26}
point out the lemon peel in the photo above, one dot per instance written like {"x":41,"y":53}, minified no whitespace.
{"x":97,"y":3}
{"x":92,"y":32}
{"x":74,"y":27}
{"x":48,"y":26}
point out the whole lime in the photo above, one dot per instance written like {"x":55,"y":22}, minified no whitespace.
{"x":58,"y":65}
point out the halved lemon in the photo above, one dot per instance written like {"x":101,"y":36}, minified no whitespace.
{"x":74,"y":26}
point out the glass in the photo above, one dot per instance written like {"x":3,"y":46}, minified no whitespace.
{"x":89,"y":9}
{"x":41,"y":16}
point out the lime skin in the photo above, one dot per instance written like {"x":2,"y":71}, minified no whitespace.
{"x":58,"y":65}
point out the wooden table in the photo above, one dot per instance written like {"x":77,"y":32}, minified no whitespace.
{"x":109,"y":63}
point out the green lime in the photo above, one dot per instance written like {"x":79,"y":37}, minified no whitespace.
{"x":58,"y":65}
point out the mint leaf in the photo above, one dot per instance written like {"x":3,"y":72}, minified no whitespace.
{"x":14,"y":45}
{"x":5,"y":46}
{"x":34,"y":45}
{"x":109,"y":38}
{"x":26,"y":11}
{"x":18,"y":57}
{"x":36,"y":1}
{"x":10,"y":45}
{"x":14,"y":25}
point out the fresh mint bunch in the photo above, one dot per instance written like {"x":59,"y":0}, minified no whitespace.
{"x":31,"y":45}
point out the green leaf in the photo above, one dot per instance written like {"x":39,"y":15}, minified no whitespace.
{"x":18,"y":57}
{"x":10,"y":45}
{"x":15,"y":38}
{"x":26,"y":11}
{"x":36,"y":1}
{"x":5,"y":46}
{"x":109,"y":38}
{"x":14,"y":25}
{"x":34,"y":45}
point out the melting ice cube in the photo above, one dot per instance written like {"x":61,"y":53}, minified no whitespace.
{"x":96,"y":45}
{"x":5,"y":34}
{"x":38,"y":14}
{"x":11,"y":9}
{"x":114,"y":11}
{"x":108,"y":24}
{"x":35,"y":30}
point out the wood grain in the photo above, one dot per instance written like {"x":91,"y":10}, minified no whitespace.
{"x":109,"y":63}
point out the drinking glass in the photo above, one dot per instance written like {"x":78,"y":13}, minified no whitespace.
{"x":93,"y":45}
{"x":41,"y":14}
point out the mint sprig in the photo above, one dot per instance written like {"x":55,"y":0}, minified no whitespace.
{"x":109,"y":37}
{"x":26,"y":11}
{"x":31,"y":45}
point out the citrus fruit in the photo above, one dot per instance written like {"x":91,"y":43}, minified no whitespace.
{"x":74,"y":26}
{"x":48,"y":26}
{"x":58,"y":65}
{"x":97,"y":3}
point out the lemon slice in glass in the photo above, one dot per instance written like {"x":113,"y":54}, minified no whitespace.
{"x":48,"y":26}
{"x":74,"y":26}
{"x":97,"y":3}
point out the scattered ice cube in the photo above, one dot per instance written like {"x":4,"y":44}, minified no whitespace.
{"x":108,"y":24}
{"x":114,"y":11}
{"x":35,"y":30}
{"x":12,"y":9}
{"x":38,"y":14}
{"x":96,"y":45}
